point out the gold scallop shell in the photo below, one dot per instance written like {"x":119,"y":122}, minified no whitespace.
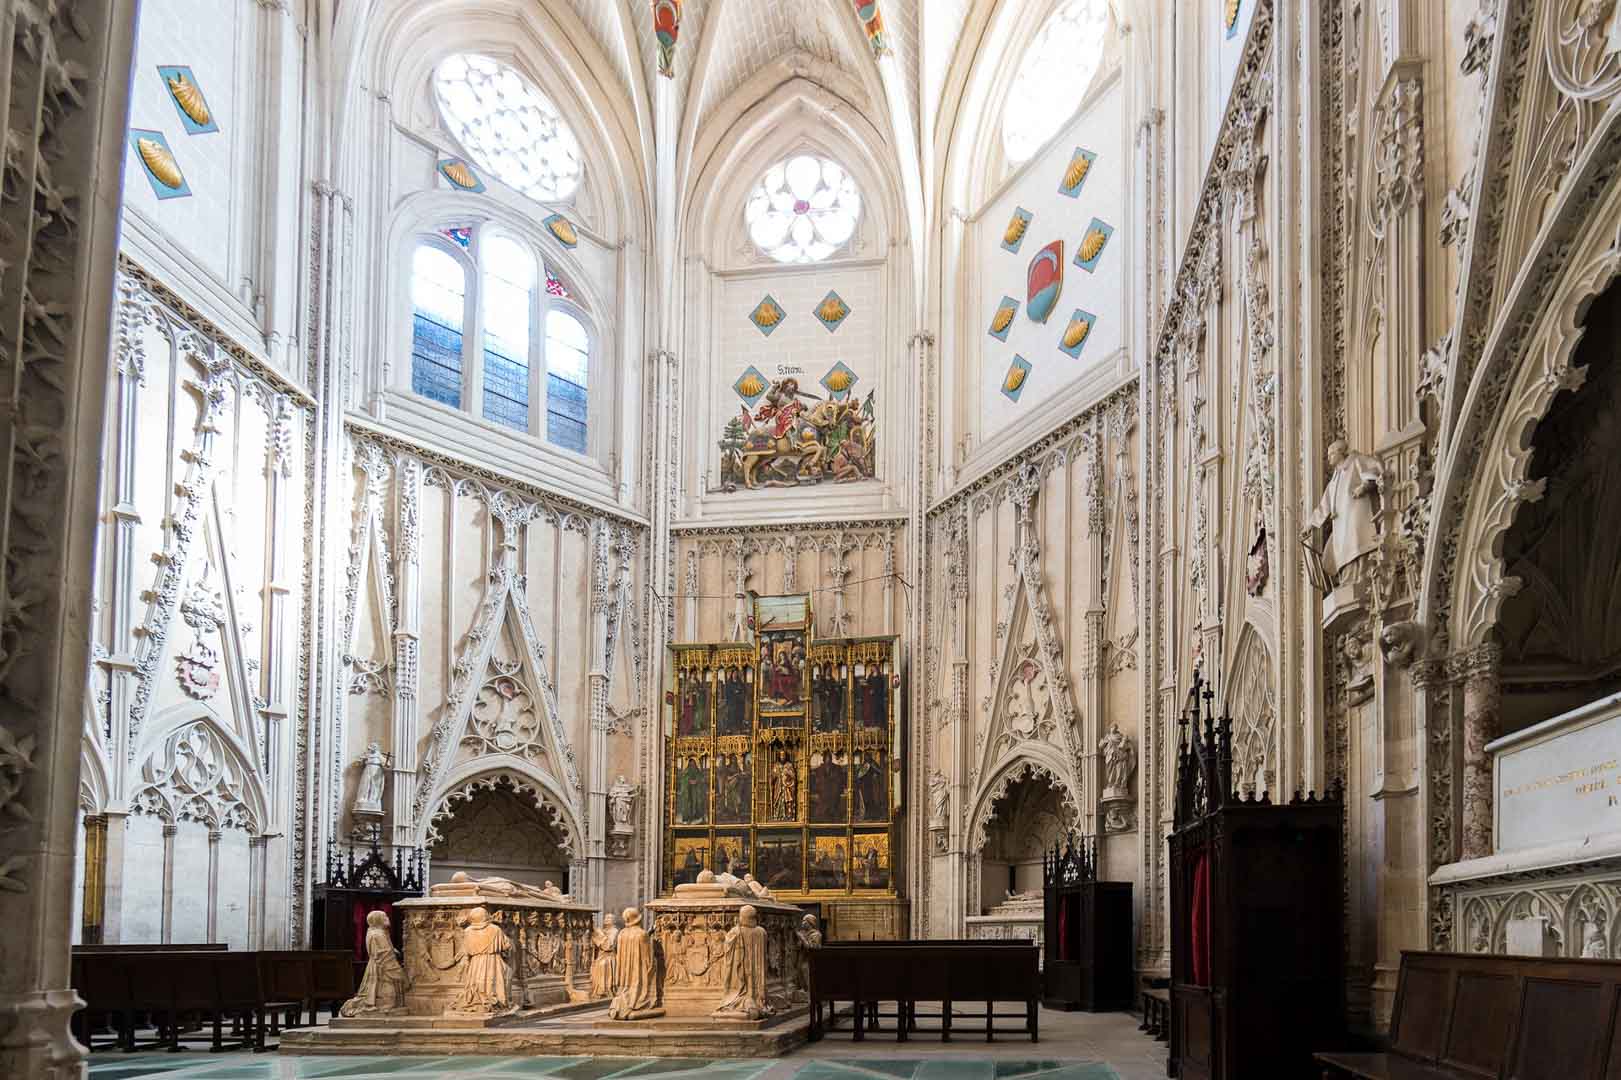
{"x":1232,"y":13}
{"x":1015,"y":230}
{"x":190,"y":99}
{"x":459,"y":174}
{"x":1014,"y":380}
{"x":1078,"y":329}
{"x":1092,"y":244}
{"x":161,"y":162}
{"x":768,"y":315}
{"x":832,"y":310}
{"x":1077,"y":172}
{"x":751,"y":386}
{"x":1003,"y":320}
{"x":563,"y":229}
{"x":839,"y":381}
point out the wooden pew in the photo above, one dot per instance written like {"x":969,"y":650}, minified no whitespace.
{"x":948,"y":972}
{"x":1526,"y":1017}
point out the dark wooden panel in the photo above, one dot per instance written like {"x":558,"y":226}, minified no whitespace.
{"x":1424,"y":1005}
{"x":1483,"y":1010}
{"x":1561,"y":1029}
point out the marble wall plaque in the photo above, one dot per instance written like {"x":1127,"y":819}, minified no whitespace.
{"x":1560,"y":780}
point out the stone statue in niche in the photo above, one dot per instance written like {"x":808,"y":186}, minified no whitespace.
{"x":484,"y":989}
{"x":382,"y":987}
{"x":636,"y":994}
{"x":1400,"y":642}
{"x":939,"y":800}
{"x":810,"y":937}
{"x":1344,"y":527}
{"x":1594,"y":945}
{"x":744,"y":964}
{"x":621,"y":805}
{"x":1119,"y":762}
{"x":604,"y":941}
{"x":373,"y":775}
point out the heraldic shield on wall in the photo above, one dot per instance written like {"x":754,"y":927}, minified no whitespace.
{"x":782,"y":757}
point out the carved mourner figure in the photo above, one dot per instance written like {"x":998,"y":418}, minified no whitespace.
{"x":382,"y":987}
{"x":604,"y":940}
{"x":1348,"y":513}
{"x":635,"y":978}
{"x":810,"y":937}
{"x":484,"y":971}
{"x":744,"y":967}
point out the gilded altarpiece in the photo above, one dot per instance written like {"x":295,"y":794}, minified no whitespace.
{"x":782,"y":758}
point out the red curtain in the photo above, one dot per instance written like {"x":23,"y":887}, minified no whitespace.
{"x":1200,"y":918}
{"x":357,"y":913}
{"x":1064,"y":949}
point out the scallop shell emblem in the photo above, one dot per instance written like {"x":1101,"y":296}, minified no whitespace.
{"x":839,"y":381}
{"x":832,"y":310}
{"x":190,"y":99}
{"x":1078,"y":329}
{"x":768,"y":315}
{"x":1015,"y":378}
{"x":1015,"y":230}
{"x":1003,"y":320}
{"x":459,"y":174}
{"x":1232,"y":13}
{"x":1076,"y":172}
{"x":564,"y":230}
{"x":1092,"y":245}
{"x":160,"y":162}
{"x":751,"y":386}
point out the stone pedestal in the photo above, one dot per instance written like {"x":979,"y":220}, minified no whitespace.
{"x":1015,"y":920}
{"x":549,"y":962}
{"x":689,"y":933}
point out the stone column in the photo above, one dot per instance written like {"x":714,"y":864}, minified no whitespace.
{"x":1482,"y":705}
{"x":67,"y":72}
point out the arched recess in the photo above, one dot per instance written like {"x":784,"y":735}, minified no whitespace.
{"x":1483,"y":477}
{"x":1252,"y":702}
{"x":484,"y":773}
{"x":1036,"y":761}
{"x":191,"y":767}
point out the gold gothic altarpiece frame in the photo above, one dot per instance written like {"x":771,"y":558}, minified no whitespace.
{"x":782,"y":758}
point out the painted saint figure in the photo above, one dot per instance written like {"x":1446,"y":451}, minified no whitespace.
{"x":382,"y":987}
{"x":744,"y":966}
{"x":872,"y":699}
{"x":692,"y":792}
{"x":827,"y":690}
{"x":784,"y":789}
{"x":734,"y":716}
{"x":732,"y":789}
{"x":872,"y":803}
{"x":635,"y":979}
{"x":694,"y":717}
{"x":484,"y":970}
{"x":829,"y":780}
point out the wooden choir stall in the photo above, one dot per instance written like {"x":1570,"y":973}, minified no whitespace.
{"x":1087,"y":931}
{"x":1256,"y":916}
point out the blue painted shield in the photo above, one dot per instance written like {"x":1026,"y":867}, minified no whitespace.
{"x":1045,"y":281}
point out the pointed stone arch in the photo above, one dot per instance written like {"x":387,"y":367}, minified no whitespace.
{"x":1253,"y":703}
{"x":193,"y":767}
{"x":474,"y":776}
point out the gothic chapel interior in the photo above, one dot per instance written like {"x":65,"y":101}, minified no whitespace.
{"x":708,"y":528}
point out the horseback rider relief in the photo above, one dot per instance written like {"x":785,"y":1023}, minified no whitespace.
{"x":792,"y":437}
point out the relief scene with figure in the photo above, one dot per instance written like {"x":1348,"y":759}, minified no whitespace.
{"x":783,"y":757}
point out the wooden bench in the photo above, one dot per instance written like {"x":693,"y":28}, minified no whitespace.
{"x":1463,"y":1015}
{"x":1156,"y":1013}
{"x":906,"y":973}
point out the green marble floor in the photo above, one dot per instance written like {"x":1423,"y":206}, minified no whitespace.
{"x":278,"y":1067}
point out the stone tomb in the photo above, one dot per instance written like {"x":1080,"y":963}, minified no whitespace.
{"x":690,"y":931}
{"x":547,"y":957}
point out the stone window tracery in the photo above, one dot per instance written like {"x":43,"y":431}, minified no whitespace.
{"x":1053,"y":76}
{"x":194,"y":777}
{"x":803,"y":210}
{"x":507,"y":126}
{"x":477,"y":302}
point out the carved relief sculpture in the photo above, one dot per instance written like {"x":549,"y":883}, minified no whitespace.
{"x":635,"y":977}
{"x":382,"y":987}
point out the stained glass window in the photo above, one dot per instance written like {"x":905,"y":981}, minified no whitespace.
{"x":439,"y":306}
{"x":1054,"y":76}
{"x":507,"y":126}
{"x":509,"y":281}
{"x":804,"y":209}
{"x":568,"y":368}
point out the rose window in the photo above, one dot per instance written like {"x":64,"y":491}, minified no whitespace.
{"x":507,"y":126}
{"x":804,"y":210}
{"x":1054,"y":76}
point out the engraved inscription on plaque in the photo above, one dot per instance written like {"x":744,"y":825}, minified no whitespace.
{"x":1560,"y":780}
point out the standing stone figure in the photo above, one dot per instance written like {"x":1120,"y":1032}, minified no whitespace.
{"x":939,"y":800}
{"x":369,"y":792}
{"x":635,"y":978}
{"x":382,"y":987}
{"x":744,"y":966}
{"x":484,"y":971}
{"x":1348,"y":511}
{"x":810,"y":937}
{"x":1119,"y":762}
{"x":604,"y":940}
{"x":621,"y":798}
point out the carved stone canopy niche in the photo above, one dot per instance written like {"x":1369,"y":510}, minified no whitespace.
{"x":499,"y":822}
{"x":1561,"y":629}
